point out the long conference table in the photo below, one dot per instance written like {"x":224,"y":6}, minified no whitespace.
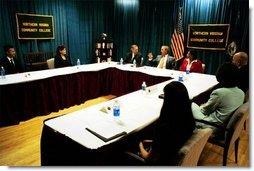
{"x":75,"y":138}
{"x":27,"y":95}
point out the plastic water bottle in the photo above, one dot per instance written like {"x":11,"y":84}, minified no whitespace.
{"x":180,"y":78}
{"x":121,"y":61}
{"x":116,"y":109}
{"x":187,"y":71}
{"x":134,"y":63}
{"x":78,"y":62}
{"x":142,"y":60}
{"x":2,"y":73}
{"x":143,"y":87}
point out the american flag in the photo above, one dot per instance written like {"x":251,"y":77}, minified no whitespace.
{"x":177,"y":40}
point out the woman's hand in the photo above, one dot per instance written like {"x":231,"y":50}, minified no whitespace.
{"x":145,"y":154}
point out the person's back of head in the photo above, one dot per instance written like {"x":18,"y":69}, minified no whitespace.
{"x":175,"y":125}
{"x":227,"y":75}
{"x":240,"y":59}
{"x":177,"y":105}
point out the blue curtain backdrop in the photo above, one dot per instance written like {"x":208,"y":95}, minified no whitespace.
{"x":148,"y":23}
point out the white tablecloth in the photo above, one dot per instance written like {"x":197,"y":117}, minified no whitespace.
{"x":137,"y":109}
{"x":37,"y":75}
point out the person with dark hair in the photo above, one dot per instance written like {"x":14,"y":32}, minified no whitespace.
{"x":173,"y":128}
{"x":9,"y":62}
{"x":133,"y":54}
{"x":224,"y":100}
{"x":61,"y":59}
{"x":191,"y":63}
{"x":150,"y":60}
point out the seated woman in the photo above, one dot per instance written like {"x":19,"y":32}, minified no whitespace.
{"x":173,"y":128}
{"x":223,"y":100}
{"x":150,"y":60}
{"x":61,"y":60}
{"x":191,"y":63}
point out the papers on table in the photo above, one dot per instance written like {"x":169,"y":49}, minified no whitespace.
{"x":106,"y":129}
{"x":95,"y":126}
{"x":106,"y":135}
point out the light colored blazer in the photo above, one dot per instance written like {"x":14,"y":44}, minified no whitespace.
{"x":157,"y":60}
{"x":222,"y":102}
{"x":170,"y":63}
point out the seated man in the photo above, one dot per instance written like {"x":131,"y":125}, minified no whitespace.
{"x":164,"y":60}
{"x":240,"y":59}
{"x":133,"y":54}
{"x":9,"y":62}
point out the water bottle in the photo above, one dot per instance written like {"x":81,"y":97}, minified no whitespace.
{"x":180,"y":78}
{"x":116,"y":109}
{"x":143,"y":86}
{"x":2,"y":73}
{"x":134,"y":63}
{"x":98,"y":60}
{"x":78,"y":62}
{"x":142,"y":60}
{"x":187,"y":74}
{"x":121,"y":61}
{"x":187,"y":71}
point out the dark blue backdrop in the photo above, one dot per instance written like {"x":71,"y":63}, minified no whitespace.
{"x":150,"y":24}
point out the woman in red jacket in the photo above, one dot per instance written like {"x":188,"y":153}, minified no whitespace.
{"x":191,"y":63}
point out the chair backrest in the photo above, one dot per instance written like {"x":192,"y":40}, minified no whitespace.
{"x":37,"y":60}
{"x":236,"y":124}
{"x":189,"y":154}
{"x":51,"y":63}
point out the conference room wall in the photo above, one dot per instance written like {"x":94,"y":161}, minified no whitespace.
{"x":149,"y":23}
{"x":233,"y":12}
{"x":77,"y":24}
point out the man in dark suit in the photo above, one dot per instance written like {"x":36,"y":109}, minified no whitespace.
{"x":240,"y":59}
{"x":9,"y":62}
{"x":134,"y":54}
{"x":164,"y":60}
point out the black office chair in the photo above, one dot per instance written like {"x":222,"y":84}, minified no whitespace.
{"x":228,"y":135}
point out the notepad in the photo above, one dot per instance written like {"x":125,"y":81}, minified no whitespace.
{"x":106,"y":139}
{"x":106,"y":130}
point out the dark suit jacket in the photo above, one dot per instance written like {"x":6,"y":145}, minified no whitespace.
{"x":137,"y":57}
{"x":59,"y":62}
{"x":244,"y":78}
{"x":151,"y":63}
{"x":10,"y":68}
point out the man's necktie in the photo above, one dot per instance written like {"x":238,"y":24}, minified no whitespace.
{"x":12,"y":62}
